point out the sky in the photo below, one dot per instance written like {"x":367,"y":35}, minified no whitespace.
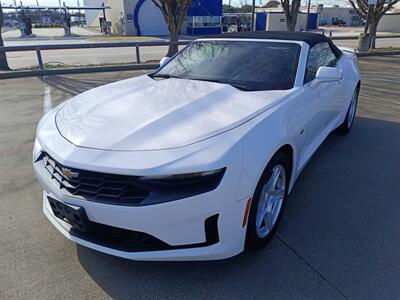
{"x":233,"y":2}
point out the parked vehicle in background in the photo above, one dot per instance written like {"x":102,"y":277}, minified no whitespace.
{"x":338,"y":22}
{"x":10,"y":23}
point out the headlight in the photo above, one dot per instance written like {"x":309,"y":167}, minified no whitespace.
{"x":37,"y":149}
{"x":174,"y":187}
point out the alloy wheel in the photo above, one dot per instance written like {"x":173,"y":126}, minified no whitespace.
{"x":271,"y":200}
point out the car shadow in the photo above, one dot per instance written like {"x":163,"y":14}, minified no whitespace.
{"x":72,"y":86}
{"x":349,"y":184}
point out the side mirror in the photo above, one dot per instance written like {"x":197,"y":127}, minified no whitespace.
{"x":326,"y":74}
{"x":164,"y":61}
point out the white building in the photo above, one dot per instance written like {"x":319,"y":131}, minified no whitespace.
{"x":389,"y":23}
{"x":328,"y":16}
{"x":275,"y":19}
{"x":91,"y":16}
{"x":121,"y":16}
{"x":142,"y":17}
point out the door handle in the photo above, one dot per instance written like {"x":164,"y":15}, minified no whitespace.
{"x":341,"y":75}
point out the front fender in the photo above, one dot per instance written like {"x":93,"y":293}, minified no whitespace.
{"x":268,"y":133}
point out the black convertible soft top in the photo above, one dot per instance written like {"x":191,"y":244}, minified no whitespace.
{"x":307,"y":37}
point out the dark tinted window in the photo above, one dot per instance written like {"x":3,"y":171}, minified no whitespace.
{"x":319,"y":55}
{"x":256,"y":65}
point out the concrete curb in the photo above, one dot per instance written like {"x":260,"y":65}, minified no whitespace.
{"x":384,"y":53}
{"x":339,"y":38}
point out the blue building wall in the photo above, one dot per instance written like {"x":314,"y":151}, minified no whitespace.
{"x":312,"y":21}
{"x":205,"y":8}
{"x":136,"y":16}
{"x":203,"y":30}
{"x":261,"y":21}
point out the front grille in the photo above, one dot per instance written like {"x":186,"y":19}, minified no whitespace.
{"x":93,"y":186}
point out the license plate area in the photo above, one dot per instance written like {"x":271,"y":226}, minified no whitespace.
{"x":75,"y":216}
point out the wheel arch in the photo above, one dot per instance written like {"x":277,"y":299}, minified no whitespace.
{"x":289,"y":151}
{"x":286,"y":150}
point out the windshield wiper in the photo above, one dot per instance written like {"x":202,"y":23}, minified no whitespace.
{"x":235,"y":84}
{"x":158,"y":75}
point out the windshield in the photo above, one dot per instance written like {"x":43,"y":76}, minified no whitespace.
{"x":246,"y":65}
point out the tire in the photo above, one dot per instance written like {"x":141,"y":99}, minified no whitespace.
{"x":348,"y":122}
{"x":257,"y":235}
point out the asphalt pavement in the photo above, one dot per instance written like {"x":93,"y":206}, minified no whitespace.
{"x":339,"y":238}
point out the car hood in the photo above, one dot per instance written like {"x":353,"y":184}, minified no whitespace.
{"x":146,"y":114}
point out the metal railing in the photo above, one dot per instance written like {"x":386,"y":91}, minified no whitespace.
{"x":42,"y":71}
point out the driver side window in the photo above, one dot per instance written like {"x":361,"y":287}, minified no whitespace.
{"x":318,"y":56}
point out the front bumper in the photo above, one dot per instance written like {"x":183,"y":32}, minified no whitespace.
{"x":180,"y":226}
{"x":222,"y":249}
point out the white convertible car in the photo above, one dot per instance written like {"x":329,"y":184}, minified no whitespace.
{"x":194,"y":161}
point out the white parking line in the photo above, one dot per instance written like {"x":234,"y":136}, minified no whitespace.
{"x":47,"y":102}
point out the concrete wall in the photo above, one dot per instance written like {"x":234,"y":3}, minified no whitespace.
{"x":277,"y":21}
{"x":129,"y":6}
{"x":389,"y":23}
{"x":113,"y":14}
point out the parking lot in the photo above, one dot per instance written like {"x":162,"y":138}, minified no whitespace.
{"x":340,"y":236}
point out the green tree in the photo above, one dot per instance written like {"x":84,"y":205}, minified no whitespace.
{"x":246,"y":8}
{"x":375,"y":14}
{"x":229,"y":9}
{"x":174,"y":12}
{"x":272,"y":3}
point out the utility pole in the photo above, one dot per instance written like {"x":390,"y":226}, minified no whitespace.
{"x":22,"y":9}
{"x":308,"y":13}
{"x":253,"y":12}
{"x":105,"y":29}
{"x":79,"y":13}
{"x":67,"y":23}
{"x":16,"y":9}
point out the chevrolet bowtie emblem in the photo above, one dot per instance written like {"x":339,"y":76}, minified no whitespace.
{"x":69,"y":174}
